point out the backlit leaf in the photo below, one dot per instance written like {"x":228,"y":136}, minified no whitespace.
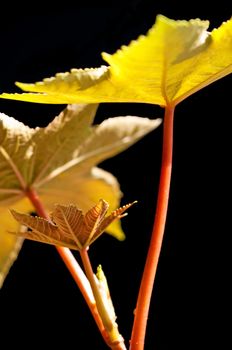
{"x":42,"y":230}
{"x":63,"y":136}
{"x":59,"y":161}
{"x":69,"y":226}
{"x":9,"y":244}
{"x":174,"y":60}
{"x":114,"y":135}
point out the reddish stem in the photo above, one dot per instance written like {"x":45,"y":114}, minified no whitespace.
{"x":78,"y":275}
{"x":146,"y":287}
{"x":73,"y":267}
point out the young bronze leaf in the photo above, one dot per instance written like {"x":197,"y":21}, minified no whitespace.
{"x":69,"y":226}
{"x":42,"y":230}
{"x":93,"y":219}
{"x":89,"y":187}
{"x":79,"y":227}
{"x":174,"y":60}
{"x":70,"y":221}
{"x":115,"y":215}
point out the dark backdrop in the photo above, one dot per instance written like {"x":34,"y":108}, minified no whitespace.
{"x":40,"y":304}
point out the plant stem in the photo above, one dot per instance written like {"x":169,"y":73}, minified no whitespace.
{"x":116,"y":341}
{"x":83,"y":284}
{"x":73,"y":267}
{"x":147,"y":282}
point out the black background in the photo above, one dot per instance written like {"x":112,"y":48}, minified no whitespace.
{"x":40,"y":304}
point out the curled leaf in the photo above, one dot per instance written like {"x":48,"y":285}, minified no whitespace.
{"x":69,"y":226}
{"x":105,"y":292}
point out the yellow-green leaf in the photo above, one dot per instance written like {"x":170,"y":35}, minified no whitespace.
{"x":63,"y":136}
{"x":28,"y":155}
{"x":174,"y":60}
{"x":58,"y":161}
{"x":9,"y":244}
{"x":68,"y":225}
{"x":112,"y":136}
{"x":67,"y":83}
{"x":15,"y":158}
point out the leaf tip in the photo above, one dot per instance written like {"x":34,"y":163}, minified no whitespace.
{"x":14,"y":213}
{"x":104,"y":203}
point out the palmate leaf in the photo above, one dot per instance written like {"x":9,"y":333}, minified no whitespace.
{"x":27,"y":155}
{"x":69,"y":226}
{"x":174,"y":60}
{"x":59,"y":162}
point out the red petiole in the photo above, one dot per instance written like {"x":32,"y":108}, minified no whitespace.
{"x":146,"y":287}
